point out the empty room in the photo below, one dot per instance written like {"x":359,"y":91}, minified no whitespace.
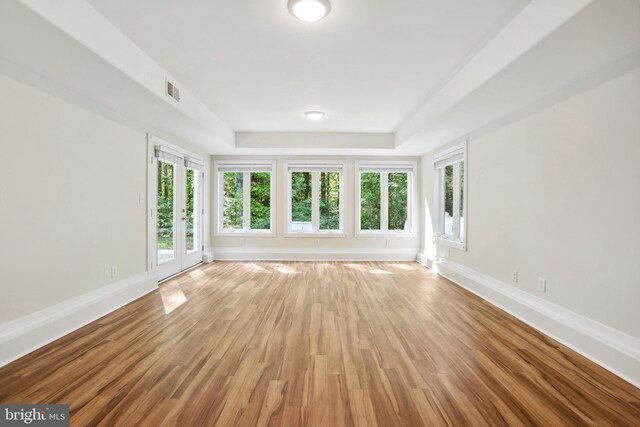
{"x":320,"y":213}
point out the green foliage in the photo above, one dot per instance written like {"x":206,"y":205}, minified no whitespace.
{"x":370,"y":201}
{"x":260,"y":201}
{"x":448,"y":189}
{"x":166,"y":191}
{"x":232,"y":201}
{"x":448,"y":186}
{"x":301,"y":196}
{"x":329,"y":201}
{"x":165,"y":204}
{"x":233,"y":209}
{"x":398,"y":200}
{"x":191,"y":207}
{"x":461,"y":188}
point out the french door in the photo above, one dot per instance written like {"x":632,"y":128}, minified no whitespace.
{"x":177,"y":218}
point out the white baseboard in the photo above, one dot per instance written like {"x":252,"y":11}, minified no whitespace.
{"x":610,"y":348}
{"x":423,"y":259}
{"x":207,"y":256}
{"x":314,"y":254}
{"x":28,"y":333}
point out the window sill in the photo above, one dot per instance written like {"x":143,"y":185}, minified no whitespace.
{"x":384,"y":234}
{"x":244,"y":234}
{"x":451,"y":243}
{"x":315,"y":234}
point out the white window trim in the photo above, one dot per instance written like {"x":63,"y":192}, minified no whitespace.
{"x":246,"y":199}
{"x":315,"y":199}
{"x":384,"y":196}
{"x":439,"y":182}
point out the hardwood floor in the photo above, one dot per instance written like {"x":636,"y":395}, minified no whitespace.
{"x":321,"y":343}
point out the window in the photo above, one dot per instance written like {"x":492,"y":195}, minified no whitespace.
{"x":450,"y":197}
{"x":384,"y":197}
{"x":315,"y":197}
{"x":245,"y":197}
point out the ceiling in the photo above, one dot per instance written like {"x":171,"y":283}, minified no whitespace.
{"x":395,"y":78}
{"x":368,"y":65}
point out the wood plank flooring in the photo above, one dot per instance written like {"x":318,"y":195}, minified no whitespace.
{"x":319,"y":344}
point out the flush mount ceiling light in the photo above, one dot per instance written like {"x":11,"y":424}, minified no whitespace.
{"x":309,"y":10}
{"x":314,"y":115}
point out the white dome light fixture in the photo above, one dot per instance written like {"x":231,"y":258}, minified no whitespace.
{"x":314,"y":115}
{"x":309,"y":10}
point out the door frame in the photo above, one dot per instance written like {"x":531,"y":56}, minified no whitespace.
{"x":152,"y":142}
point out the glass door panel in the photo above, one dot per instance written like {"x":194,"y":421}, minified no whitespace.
{"x":191,"y":207}
{"x":192,"y":199}
{"x":179,"y":183}
{"x":166,"y":203}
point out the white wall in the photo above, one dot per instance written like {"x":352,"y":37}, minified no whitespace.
{"x":557,"y":195}
{"x":348,"y":243}
{"x":69,"y":186}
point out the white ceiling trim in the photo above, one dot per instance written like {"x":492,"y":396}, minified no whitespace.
{"x":86,"y":26}
{"x":315,"y":140}
{"x":529,"y":27}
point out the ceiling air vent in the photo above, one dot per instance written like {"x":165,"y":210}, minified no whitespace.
{"x":173,"y":91}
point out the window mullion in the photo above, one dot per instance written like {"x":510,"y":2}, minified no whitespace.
{"x":220,"y":202}
{"x":456,"y":201}
{"x":358,"y":199}
{"x":384,"y":201}
{"x":315,"y":201}
{"x":289,"y":201}
{"x":246,"y":201}
{"x":443,"y":198}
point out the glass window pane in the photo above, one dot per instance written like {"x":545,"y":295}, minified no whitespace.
{"x":462,"y":218}
{"x":370,"y":201}
{"x":301,"y":201}
{"x":191,"y":209}
{"x":398,"y":201}
{"x":260,"y":201}
{"x":448,"y":200}
{"x":232,"y":201}
{"x":165,"y":209}
{"x":329,"y":200}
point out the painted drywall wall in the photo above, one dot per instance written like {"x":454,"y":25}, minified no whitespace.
{"x":70,"y":187}
{"x":556,"y":195}
{"x":349,"y":242}
{"x":69,"y":192}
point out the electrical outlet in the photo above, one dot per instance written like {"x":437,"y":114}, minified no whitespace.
{"x":317,"y":242}
{"x":542,"y":284}
{"x":515,"y":277}
{"x":114,"y":271}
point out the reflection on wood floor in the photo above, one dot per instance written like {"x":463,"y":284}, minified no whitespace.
{"x":316,"y":343}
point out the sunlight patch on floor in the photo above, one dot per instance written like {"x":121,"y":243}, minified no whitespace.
{"x":401,"y":266}
{"x":172,"y":297}
{"x":378,"y":271}
{"x":284,"y":270}
{"x":255,"y":268}
{"x":197,"y":273}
